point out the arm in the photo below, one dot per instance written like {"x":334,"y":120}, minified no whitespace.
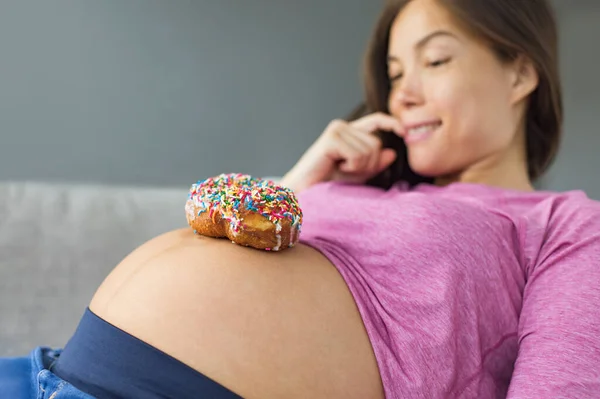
{"x":559,"y":326}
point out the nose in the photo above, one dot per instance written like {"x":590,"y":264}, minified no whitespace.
{"x":407,"y":93}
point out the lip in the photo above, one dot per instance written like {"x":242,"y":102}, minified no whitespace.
{"x":415,"y":125}
{"x":409,"y":139}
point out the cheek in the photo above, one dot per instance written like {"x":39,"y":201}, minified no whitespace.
{"x":447,"y":99}
{"x":393,"y":104}
{"x":471,"y":111}
{"x":453,"y":103}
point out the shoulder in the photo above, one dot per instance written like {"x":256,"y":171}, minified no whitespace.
{"x":572,"y":214}
{"x":568,"y":212}
{"x":564,"y":227}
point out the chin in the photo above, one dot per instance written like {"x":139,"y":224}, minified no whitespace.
{"x":427,"y":166}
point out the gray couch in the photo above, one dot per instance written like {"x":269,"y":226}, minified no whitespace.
{"x":58,"y":242}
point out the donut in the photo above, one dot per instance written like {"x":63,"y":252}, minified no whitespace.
{"x":248,"y":211}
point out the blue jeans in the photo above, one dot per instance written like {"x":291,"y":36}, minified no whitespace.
{"x":30,"y":378}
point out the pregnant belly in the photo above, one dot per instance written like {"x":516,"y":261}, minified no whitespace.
{"x":265,"y":325}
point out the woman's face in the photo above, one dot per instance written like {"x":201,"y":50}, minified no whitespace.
{"x":460,"y":105}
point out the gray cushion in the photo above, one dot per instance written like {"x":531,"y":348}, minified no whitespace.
{"x":58,"y":242}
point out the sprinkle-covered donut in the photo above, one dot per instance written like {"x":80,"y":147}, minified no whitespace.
{"x":251,"y":212}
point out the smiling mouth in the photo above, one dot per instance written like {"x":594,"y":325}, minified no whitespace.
{"x":421,"y":132}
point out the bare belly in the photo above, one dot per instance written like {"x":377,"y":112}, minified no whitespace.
{"x":265,"y":325}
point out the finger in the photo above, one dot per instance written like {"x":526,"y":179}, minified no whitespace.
{"x":372,"y":145}
{"x":348,"y":151}
{"x":378,"y":159}
{"x":335,"y":136}
{"x":386,"y":159}
{"x":358,"y":151}
{"x":378,"y":121}
{"x":358,"y":158}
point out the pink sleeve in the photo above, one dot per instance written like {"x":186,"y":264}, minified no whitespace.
{"x":559,"y":326}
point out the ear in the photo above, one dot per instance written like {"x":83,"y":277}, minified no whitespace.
{"x":524,"y":78}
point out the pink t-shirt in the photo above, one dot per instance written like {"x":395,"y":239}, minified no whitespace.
{"x":468,"y":291}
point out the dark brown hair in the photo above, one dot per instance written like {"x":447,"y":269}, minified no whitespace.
{"x":512,"y":28}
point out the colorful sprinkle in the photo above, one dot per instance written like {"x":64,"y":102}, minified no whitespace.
{"x":228,"y":194}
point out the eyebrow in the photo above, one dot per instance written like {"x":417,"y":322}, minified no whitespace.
{"x":423,"y":42}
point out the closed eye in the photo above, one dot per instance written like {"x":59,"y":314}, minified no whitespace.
{"x":438,"y":63}
{"x":395,"y":78}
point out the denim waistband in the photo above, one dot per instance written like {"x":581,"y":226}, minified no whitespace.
{"x":29,"y":377}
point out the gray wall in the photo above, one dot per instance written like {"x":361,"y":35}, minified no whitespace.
{"x":157,"y":92}
{"x":578,"y":163}
{"x":168,"y":91}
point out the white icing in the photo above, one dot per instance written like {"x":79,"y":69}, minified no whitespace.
{"x":189,"y":209}
{"x":293,"y":234}
{"x":276,"y":248}
{"x":278,"y":236}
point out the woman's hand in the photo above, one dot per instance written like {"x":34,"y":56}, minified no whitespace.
{"x":345,"y":151}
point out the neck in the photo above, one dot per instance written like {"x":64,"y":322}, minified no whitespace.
{"x":507,"y":171}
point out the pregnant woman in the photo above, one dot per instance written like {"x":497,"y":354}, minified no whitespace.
{"x":428,"y":266}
